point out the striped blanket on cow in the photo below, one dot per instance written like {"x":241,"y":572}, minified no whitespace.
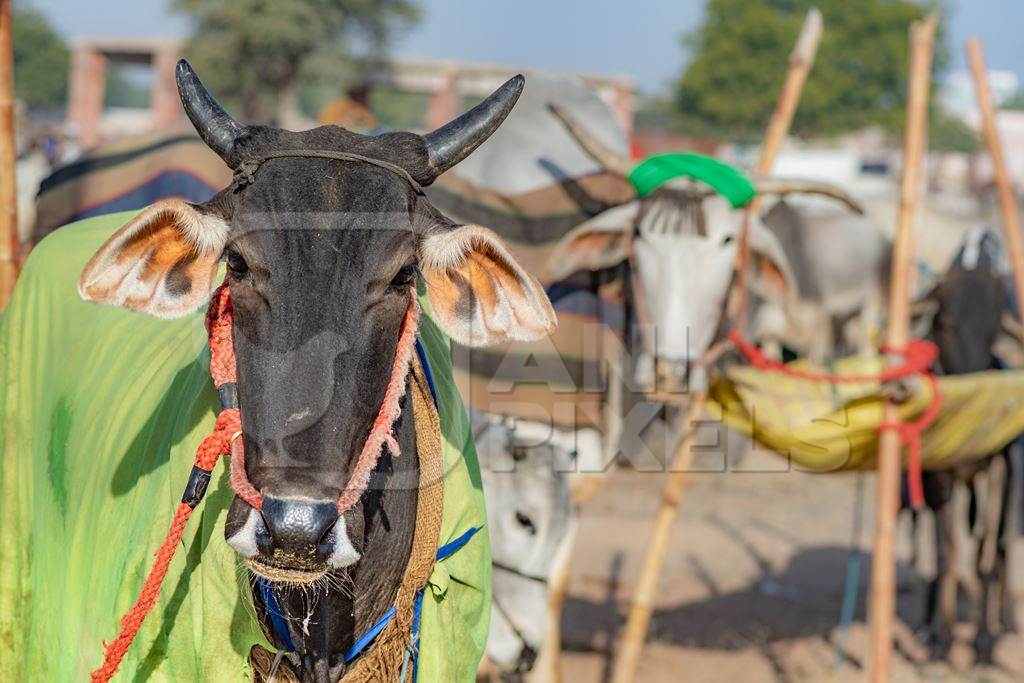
{"x":559,"y":380}
{"x":126,"y":174}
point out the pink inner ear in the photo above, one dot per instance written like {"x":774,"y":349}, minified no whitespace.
{"x":588,"y":250}
{"x":597,"y":248}
{"x":162,"y":263}
{"x":480,"y":294}
{"x":772,"y":279}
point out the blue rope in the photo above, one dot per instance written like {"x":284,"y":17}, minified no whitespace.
{"x":422,"y":353}
{"x":452,"y":547}
{"x":444,"y":552}
{"x":852,"y":586}
{"x":276,"y":614}
{"x":417,"y":611}
{"x":367,"y":638}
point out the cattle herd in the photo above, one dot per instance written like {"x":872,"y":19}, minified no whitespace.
{"x":325,"y":236}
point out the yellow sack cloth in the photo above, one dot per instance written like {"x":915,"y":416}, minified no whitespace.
{"x":827,"y":427}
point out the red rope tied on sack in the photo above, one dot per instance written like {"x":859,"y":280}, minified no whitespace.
{"x":224,"y":441}
{"x":918,"y":357}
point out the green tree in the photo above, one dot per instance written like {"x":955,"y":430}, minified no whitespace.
{"x":947,"y":133}
{"x":122,"y":90}
{"x":257,"y":53}
{"x":741,"y":52}
{"x":1016,"y":102}
{"x":40,"y":61}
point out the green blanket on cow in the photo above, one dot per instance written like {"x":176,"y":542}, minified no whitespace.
{"x":103,"y":410}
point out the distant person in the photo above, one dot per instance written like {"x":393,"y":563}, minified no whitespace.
{"x":351,"y":111}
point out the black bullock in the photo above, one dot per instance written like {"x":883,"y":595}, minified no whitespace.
{"x":324,"y":233}
{"x":971,"y":300}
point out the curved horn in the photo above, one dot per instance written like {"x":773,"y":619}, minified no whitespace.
{"x":784,"y":187}
{"x":611,"y":161}
{"x":456,"y":140}
{"x":214,"y":125}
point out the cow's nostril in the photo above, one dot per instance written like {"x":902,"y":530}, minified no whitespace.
{"x":299,"y":529}
{"x":264,"y":542}
{"x":327,"y":541}
{"x":328,"y":534}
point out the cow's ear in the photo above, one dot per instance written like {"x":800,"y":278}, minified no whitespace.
{"x":601,"y":242}
{"x":163,"y":262}
{"x":771,"y":275}
{"x":479,"y":294}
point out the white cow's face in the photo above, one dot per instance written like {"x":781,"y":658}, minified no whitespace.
{"x":529,"y":512}
{"x":683,"y":249}
{"x":684,"y":277}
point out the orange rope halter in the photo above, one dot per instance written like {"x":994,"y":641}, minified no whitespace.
{"x":919,"y":356}
{"x":224,"y":441}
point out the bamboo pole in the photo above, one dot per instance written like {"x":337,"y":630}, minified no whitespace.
{"x":10,"y":245}
{"x":643,"y":599}
{"x":882,"y":605}
{"x":800,"y":62}
{"x":1004,"y":187}
{"x":801,"y":59}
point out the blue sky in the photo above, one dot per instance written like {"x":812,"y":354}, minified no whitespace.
{"x":636,"y":38}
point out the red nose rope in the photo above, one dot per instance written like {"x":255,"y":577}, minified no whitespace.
{"x":224,"y":441}
{"x":918,"y":358}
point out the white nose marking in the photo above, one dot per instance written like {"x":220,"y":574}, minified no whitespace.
{"x":344,"y":554}
{"x":244,"y":540}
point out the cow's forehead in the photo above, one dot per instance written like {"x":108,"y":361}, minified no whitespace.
{"x":300,"y":196}
{"x":677,"y":212}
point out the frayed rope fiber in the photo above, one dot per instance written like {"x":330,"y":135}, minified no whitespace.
{"x":391,"y":407}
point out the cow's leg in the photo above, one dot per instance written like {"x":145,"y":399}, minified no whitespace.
{"x":869,"y":322}
{"x":994,"y":509}
{"x":931,"y":595}
{"x":943,"y":593}
{"x":823,"y":344}
{"x":1007,"y":617}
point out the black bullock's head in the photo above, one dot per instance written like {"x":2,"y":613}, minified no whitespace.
{"x":321,"y":254}
{"x":972,"y":299}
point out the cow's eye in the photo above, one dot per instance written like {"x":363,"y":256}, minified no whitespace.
{"x":236,"y":264}
{"x":404,"y":277}
{"x":727,"y":240}
{"x":526,"y":523}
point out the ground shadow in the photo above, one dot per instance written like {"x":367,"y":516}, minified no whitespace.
{"x":802,"y":600}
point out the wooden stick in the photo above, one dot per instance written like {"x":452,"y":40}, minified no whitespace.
{"x":800,"y":62}
{"x":882,"y":605}
{"x":10,"y":245}
{"x":1004,"y":187}
{"x":643,"y":600}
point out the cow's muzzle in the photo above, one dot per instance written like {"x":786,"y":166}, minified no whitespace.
{"x":673,"y":380}
{"x":297,"y":539}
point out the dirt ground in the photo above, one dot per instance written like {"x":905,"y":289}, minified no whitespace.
{"x":753,"y":585}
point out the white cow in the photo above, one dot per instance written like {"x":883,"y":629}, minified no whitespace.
{"x":682,"y":241}
{"x":680,"y":245}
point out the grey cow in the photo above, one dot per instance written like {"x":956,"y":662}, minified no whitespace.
{"x":839,"y":260}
